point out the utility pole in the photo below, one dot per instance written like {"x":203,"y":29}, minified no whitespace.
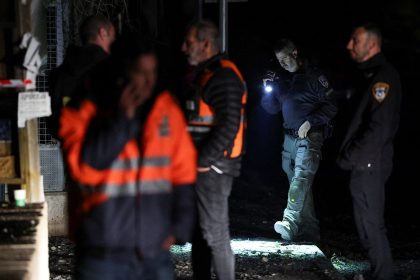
{"x":223,"y":25}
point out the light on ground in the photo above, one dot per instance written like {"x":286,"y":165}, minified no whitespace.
{"x":264,"y":247}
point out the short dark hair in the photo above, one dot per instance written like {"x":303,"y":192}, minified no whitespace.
{"x":373,"y":29}
{"x":284,"y":44}
{"x":206,"y":29}
{"x":90,"y":27}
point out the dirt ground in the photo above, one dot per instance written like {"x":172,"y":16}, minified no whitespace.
{"x":253,"y":216}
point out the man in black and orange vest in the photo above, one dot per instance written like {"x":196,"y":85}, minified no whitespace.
{"x":216,"y":120}
{"x":127,"y":148}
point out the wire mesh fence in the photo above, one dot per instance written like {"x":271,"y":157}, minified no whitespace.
{"x":53,"y":45}
{"x":52,"y":167}
{"x":63,"y":19}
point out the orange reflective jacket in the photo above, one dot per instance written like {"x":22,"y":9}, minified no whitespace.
{"x":137,"y":187}
{"x":202,"y":118}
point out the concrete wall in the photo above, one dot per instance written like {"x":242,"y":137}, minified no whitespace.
{"x":57,"y":213}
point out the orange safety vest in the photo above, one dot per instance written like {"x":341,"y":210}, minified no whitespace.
{"x":167,"y":157}
{"x":201,"y":118}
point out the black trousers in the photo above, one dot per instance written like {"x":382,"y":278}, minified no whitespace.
{"x":211,"y":243}
{"x":368,"y":193}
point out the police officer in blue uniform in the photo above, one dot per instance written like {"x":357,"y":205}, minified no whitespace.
{"x":367,"y":148}
{"x":307,"y":110}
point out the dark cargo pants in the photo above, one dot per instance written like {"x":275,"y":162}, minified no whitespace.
{"x":301,"y":157}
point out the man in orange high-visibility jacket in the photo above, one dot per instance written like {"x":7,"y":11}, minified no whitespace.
{"x":216,"y":120}
{"x":127,"y":147}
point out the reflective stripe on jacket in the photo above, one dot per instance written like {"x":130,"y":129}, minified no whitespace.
{"x":134,"y":203}
{"x":201,"y":116}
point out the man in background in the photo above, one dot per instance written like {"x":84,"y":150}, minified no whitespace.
{"x":97,"y":33}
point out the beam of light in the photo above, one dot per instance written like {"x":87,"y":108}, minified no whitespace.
{"x":267,"y":247}
{"x":264,"y":247}
{"x":268,"y":89}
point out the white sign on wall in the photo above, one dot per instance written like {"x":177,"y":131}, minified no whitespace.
{"x":32,"y":105}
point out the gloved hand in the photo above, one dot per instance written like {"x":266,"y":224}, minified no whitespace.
{"x":303,"y":129}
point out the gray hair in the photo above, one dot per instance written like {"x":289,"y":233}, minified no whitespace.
{"x":207,"y":30}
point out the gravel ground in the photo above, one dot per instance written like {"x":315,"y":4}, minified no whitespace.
{"x":250,"y":264}
{"x":257,"y":265}
{"x":252,"y":217}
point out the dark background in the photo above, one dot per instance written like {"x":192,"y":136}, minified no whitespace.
{"x":321,"y":30}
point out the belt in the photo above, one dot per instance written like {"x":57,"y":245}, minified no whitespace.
{"x":291,"y":132}
{"x":294,"y":132}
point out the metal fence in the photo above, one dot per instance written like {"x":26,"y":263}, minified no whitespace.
{"x":63,"y":19}
{"x":52,"y":167}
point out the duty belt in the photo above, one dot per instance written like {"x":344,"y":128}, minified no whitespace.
{"x":291,"y":132}
{"x":294,"y":132}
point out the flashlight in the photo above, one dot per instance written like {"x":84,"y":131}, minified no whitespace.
{"x":268,"y":81}
{"x":268,"y":89}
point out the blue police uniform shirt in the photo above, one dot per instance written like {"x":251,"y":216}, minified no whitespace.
{"x":307,"y":99}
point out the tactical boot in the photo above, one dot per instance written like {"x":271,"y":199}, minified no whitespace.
{"x":285,"y":229}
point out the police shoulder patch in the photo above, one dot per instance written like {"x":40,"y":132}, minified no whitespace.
{"x":323,"y":80}
{"x":380,"y":91}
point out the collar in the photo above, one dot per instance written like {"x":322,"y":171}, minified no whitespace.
{"x":209,"y":63}
{"x":373,"y":62}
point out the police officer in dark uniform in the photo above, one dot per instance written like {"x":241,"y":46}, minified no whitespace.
{"x":307,"y":109}
{"x":367,"y":148}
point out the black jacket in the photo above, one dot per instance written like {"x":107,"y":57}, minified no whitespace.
{"x":67,"y":79}
{"x":223,"y":92}
{"x":369,"y":139}
{"x":303,"y":97}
